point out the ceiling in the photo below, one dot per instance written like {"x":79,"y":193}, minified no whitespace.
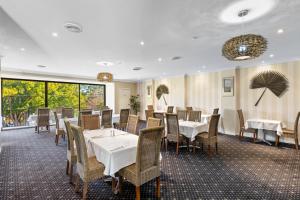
{"x":113,"y":30}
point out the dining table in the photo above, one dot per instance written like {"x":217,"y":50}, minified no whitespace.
{"x":32,"y":119}
{"x":191,"y":129}
{"x":263,"y":125}
{"x":114,"y":148}
{"x":74,"y":120}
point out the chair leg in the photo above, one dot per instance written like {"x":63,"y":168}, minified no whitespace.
{"x":254,"y":137}
{"x":158,"y":187}
{"x":194,"y":148}
{"x":137,"y":192}
{"x":113,"y":184}
{"x":208,"y":150}
{"x":166,"y":144}
{"x":297,"y":143}
{"x":71,"y":173}
{"x":277,"y":140}
{"x":35,"y":129}
{"x":38,"y":130}
{"x":67,"y":168}
{"x":177,"y":148}
{"x":216,"y":147}
{"x":85,"y":189}
{"x":120,"y":184}
{"x":56,"y":139}
{"x":202,"y":147}
{"x":240,"y":135}
{"x":77,"y":183}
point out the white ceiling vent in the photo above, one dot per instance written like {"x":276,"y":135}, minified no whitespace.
{"x":73,"y":27}
{"x":137,"y":68}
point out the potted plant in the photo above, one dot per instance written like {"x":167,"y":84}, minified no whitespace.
{"x":135,"y":104}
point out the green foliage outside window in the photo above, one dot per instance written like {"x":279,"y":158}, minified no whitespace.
{"x":21,"y":98}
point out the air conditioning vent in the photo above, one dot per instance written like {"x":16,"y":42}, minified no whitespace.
{"x":73,"y":27}
{"x":137,"y":68}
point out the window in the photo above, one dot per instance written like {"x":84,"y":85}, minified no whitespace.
{"x":92,"y":96}
{"x":63,"y":95}
{"x":20,"y":98}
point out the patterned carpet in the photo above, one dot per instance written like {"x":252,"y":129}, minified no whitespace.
{"x":32,"y":167}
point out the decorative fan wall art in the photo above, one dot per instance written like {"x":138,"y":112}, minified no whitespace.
{"x":160,"y":91}
{"x":272,"y":80}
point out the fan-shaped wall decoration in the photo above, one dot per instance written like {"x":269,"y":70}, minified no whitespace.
{"x":272,"y":80}
{"x":160,"y":91}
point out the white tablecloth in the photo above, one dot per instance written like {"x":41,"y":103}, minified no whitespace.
{"x":115,"y":152}
{"x":264,"y":124}
{"x":115,"y":118}
{"x":33,"y":117}
{"x":191,"y":129}
{"x":73,"y":121}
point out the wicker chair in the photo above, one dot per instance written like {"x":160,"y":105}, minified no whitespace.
{"x":189,"y":109}
{"x":194,"y":116}
{"x":161,"y":116}
{"x":105,"y":108}
{"x":243,"y":129}
{"x":42,"y":119}
{"x":67,"y":112}
{"x":210,"y":137}
{"x":132,"y":124}
{"x":152,"y":122}
{"x":150,"y":107}
{"x":58,"y":110}
{"x":148,"y":113}
{"x":182,"y":114}
{"x":59,"y":131}
{"x":173,"y":134}
{"x":291,"y":133}
{"x":216,"y":111}
{"x":84,"y":112}
{"x":147,"y":166}
{"x":106,"y":119}
{"x":170,"y":109}
{"x":123,"y":119}
{"x":71,"y":154}
{"x":88,"y":168}
{"x":90,"y":122}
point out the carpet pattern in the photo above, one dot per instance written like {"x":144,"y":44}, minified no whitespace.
{"x":32,"y":167}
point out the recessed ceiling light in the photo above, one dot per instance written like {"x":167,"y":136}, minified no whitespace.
{"x":54,"y":34}
{"x":73,"y":27}
{"x":142,"y":43}
{"x":255,"y":8}
{"x":271,"y":55}
{"x":280,"y":31}
{"x":105,"y":63}
{"x":41,"y":66}
{"x":22,"y":49}
{"x":195,"y":37}
{"x":137,"y":68}
{"x":159,"y":59}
